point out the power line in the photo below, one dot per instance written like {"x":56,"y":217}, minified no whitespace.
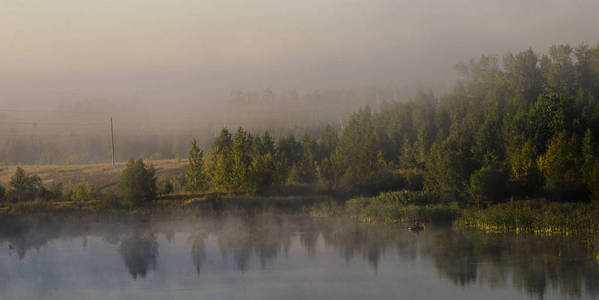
{"x":41,"y":135}
{"x":54,"y":111}
{"x":51,"y":123}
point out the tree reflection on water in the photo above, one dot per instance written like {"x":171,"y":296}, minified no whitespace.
{"x":533,"y":264}
{"x":139,"y":252}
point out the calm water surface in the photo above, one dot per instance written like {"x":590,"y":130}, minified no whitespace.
{"x":282,"y":257}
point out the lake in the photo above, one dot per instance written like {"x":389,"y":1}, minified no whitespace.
{"x":271,"y":256}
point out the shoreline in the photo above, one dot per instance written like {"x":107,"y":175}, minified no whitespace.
{"x":529,"y":216}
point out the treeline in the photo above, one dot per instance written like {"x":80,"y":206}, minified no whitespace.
{"x":25,"y":187}
{"x":522,"y":127}
{"x":137,"y":185}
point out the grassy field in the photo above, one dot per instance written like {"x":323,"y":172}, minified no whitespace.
{"x":103,"y":175}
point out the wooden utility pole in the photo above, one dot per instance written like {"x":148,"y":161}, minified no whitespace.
{"x":112,"y":138}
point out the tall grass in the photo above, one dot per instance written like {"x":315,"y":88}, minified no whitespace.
{"x":392,"y":207}
{"x":538,"y":215}
{"x":535,"y":216}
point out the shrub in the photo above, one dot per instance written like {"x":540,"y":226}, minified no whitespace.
{"x":138,"y":183}
{"x":354,"y":206}
{"x":2,"y":192}
{"x":111,"y":200}
{"x":327,"y":209}
{"x":414,"y":180}
{"x":164,"y":186}
{"x":80,"y":192}
{"x":24,"y":187}
{"x":55,"y":191}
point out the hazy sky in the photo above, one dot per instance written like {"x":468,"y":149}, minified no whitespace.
{"x":55,"y":50}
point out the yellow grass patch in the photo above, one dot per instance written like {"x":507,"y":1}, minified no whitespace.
{"x":103,"y":175}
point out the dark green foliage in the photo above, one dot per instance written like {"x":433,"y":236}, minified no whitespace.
{"x":303,"y":171}
{"x":263,"y":145}
{"x":414,"y":180}
{"x":561,"y":166}
{"x":592,"y":181}
{"x":224,"y":142}
{"x":330,"y":171}
{"x":361,"y":154}
{"x":164,"y":186}
{"x":488,"y":186}
{"x":265,"y":174}
{"x":138,"y":183}
{"x":55,"y":191}
{"x":290,"y":148}
{"x":590,"y":166}
{"x":448,"y":171}
{"x":550,"y":115}
{"x":2,"y":193}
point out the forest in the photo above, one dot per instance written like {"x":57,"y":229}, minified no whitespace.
{"x":521,"y":127}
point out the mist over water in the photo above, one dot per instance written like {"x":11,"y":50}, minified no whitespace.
{"x":275,"y":256}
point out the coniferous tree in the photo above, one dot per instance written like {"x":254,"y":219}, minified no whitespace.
{"x":221,"y":176}
{"x":196,"y":177}
{"x":241,"y":159}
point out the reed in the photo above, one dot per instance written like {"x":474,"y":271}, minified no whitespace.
{"x":535,"y":215}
